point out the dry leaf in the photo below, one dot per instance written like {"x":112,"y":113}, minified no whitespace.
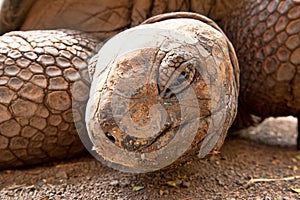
{"x":296,"y":190}
{"x":295,"y":168}
{"x":171,"y":183}
{"x":182,"y":177}
{"x":214,"y":152}
{"x":137,"y":188}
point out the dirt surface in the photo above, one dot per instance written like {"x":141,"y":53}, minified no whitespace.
{"x":267,"y":151}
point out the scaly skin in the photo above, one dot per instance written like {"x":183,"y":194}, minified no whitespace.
{"x":267,"y":42}
{"x":38,"y":72}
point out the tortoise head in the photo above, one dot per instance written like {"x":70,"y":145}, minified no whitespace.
{"x":150,"y":98}
{"x":139,"y":106}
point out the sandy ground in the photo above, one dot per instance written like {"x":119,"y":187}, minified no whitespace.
{"x":267,"y":151}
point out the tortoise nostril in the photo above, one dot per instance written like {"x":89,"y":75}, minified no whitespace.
{"x":169,"y":93}
{"x":168,"y":90}
{"x":110,"y":137}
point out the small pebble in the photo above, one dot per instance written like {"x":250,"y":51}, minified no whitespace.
{"x":186,"y":184}
{"x":114,"y":183}
{"x":61,"y":175}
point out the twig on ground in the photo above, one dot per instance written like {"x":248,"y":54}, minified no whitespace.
{"x":254,"y":180}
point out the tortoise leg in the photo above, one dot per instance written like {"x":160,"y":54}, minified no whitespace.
{"x":39,"y":72}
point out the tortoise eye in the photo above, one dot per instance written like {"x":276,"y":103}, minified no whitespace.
{"x":186,"y":74}
{"x":177,"y":70}
{"x":181,"y":78}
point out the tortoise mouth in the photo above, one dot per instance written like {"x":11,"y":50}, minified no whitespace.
{"x":143,"y":122}
{"x":138,"y":125}
{"x":140,"y":129}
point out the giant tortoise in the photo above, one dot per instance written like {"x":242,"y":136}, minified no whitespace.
{"x":160,"y":91}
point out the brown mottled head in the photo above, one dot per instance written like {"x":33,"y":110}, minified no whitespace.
{"x":160,"y":91}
